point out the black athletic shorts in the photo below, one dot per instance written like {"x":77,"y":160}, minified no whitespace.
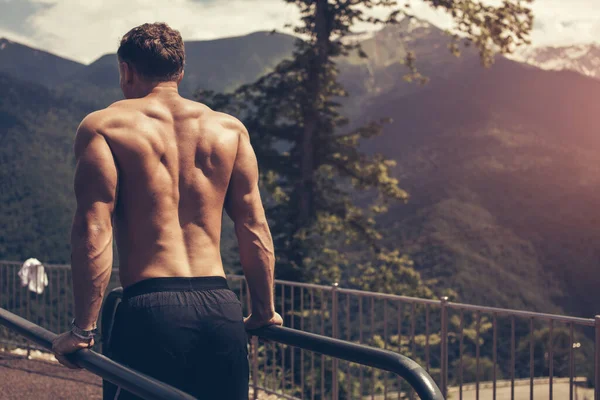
{"x":187,"y":332}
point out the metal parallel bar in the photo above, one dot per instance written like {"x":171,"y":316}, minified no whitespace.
{"x":135,"y":382}
{"x":495,"y":352}
{"x":531,"y":367}
{"x":378,"y":358}
{"x":571,"y":363}
{"x":551,"y":359}
{"x":477,"y":353}
{"x":512,"y":358}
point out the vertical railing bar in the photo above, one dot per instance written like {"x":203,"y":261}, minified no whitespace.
{"x":400,"y":311}
{"x":460,"y":361}
{"x":312,"y":354}
{"x":282,"y":346}
{"x":531,"y":367}
{"x":244,"y":284}
{"x":385,"y":340}
{"x":348,"y":336}
{"x":477,"y":354}
{"x":42,"y":298}
{"x":322,"y":333}
{"x":495,"y":351}
{"x":444,"y":345}
{"x":551,"y":359}
{"x":512,"y":357}
{"x":274,"y":366}
{"x":360,"y":339}
{"x":372,"y":330}
{"x":242,"y":293}
{"x":292,"y":348}
{"x":427,"y":361}
{"x":301,"y":350}
{"x":413,"y":321}
{"x":597,"y":358}
{"x":571,"y":344}
{"x":334,"y":317}
{"x":66,"y":301}
{"x":28,"y":317}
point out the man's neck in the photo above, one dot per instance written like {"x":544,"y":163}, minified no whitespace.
{"x":158,"y":89}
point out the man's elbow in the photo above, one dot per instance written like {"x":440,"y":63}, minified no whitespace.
{"x":90,"y":236}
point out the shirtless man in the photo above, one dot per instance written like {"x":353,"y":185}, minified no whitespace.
{"x":163,"y":168}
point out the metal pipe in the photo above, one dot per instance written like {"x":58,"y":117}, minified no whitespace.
{"x":382,"y":359}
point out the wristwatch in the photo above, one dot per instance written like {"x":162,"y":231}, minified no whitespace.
{"x":82,"y":333}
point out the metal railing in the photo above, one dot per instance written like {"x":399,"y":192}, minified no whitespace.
{"x":135,"y":382}
{"x":462,"y":346}
{"x":402,"y":366}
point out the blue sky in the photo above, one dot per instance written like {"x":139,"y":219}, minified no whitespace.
{"x":85,"y":30}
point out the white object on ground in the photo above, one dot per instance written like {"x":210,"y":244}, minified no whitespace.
{"x":32,"y":274}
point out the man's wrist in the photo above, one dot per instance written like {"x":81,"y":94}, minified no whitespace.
{"x":84,"y":334}
{"x":264,"y":315}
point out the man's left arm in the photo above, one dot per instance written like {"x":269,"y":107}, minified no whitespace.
{"x":95,"y":187}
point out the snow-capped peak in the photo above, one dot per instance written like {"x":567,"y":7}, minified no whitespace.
{"x":582,"y":58}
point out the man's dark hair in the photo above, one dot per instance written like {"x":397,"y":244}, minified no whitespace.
{"x":154,"y":50}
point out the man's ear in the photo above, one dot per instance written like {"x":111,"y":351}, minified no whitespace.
{"x":127,"y":72}
{"x":180,"y":77}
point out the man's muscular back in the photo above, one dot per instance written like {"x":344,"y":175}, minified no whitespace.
{"x":174,"y":159}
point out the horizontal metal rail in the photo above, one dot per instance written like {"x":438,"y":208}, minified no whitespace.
{"x":386,"y":360}
{"x":130,"y":380}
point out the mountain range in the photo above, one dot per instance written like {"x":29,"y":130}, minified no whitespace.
{"x":500,"y":163}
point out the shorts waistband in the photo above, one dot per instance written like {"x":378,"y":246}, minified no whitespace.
{"x":175,"y":284}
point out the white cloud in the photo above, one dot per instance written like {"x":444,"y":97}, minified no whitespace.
{"x":560,"y":22}
{"x":85,"y":30}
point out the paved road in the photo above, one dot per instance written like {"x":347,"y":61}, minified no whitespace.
{"x":44,"y":380}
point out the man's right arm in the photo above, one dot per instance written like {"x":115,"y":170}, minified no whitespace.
{"x":244,"y":206}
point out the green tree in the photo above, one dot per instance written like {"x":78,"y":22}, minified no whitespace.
{"x":311,"y":163}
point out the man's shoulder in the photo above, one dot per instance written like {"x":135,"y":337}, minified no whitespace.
{"x":98,"y":120}
{"x":230,"y":123}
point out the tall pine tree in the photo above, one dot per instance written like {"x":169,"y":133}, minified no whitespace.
{"x":311,"y":162}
